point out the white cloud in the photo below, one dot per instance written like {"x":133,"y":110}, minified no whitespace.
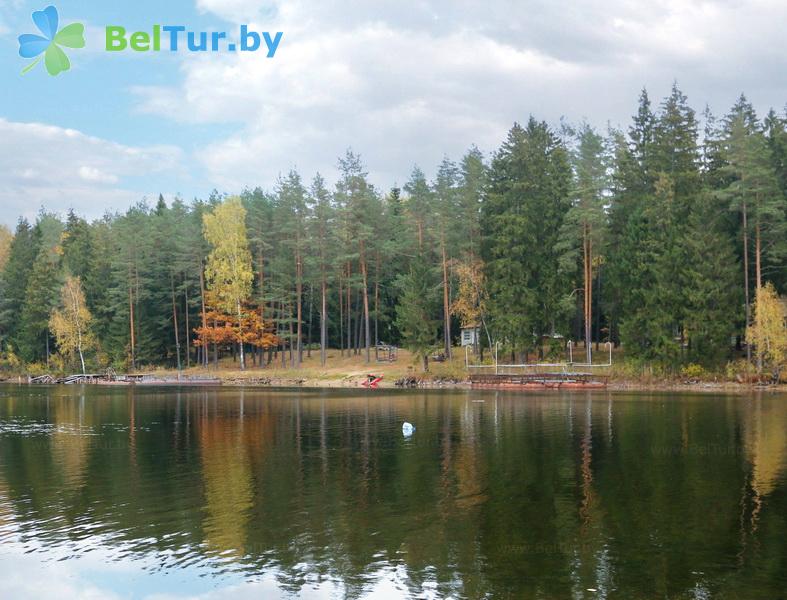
{"x":44,"y":165}
{"x":93,"y":174}
{"x":406,"y":83}
{"x":238,"y":10}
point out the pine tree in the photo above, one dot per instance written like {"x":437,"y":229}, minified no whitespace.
{"x":753,"y":192}
{"x":415,"y":313}
{"x":132,"y":335}
{"x":446,"y":202}
{"x":321,"y":232}
{"x":359,"y":204}
{"x":420,"y":206}
{"x":292,"y":212}
{"x":584,"y":230}
{"x":395,"y":251}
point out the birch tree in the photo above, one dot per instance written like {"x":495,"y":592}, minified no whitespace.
{"x":71,"y":322}
{"x":228,"y":271}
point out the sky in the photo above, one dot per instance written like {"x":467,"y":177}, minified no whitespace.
{"x":400,"y":82}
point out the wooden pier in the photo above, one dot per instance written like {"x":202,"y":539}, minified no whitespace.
{"x":110,"y":378}
{"x":564,"y":380}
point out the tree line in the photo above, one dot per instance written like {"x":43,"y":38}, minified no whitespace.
{"x":667,"y":238}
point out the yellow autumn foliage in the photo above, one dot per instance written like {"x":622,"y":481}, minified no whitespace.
{"x":768,"y":332}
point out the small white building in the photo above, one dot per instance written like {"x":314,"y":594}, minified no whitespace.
{"x":469,"y":335}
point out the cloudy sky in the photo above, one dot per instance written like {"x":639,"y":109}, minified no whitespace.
{"x":401,"y":82}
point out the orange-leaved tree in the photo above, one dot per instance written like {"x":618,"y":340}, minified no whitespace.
{"x":222,"y":328}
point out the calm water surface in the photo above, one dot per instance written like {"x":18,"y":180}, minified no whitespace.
{"x":174,"y":494}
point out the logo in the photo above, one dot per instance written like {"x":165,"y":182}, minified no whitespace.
{"x":49,"y":44}
{"x":174,"y":38}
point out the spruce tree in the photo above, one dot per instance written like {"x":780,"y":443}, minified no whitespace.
{"x":13,"y":282}
{"x":523,"y":210}
{"x":43,"y":286}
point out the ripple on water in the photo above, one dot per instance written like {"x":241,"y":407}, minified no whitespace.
{"x":488,"y":498}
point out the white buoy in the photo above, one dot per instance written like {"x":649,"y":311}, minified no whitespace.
{"x":407,"y":429}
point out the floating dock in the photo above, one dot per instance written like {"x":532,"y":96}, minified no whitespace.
{"x":539,"y":380}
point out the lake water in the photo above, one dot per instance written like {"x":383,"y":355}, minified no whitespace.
{"x":184,"y":493}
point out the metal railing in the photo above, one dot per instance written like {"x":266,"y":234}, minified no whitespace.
{"x":505,"y":369}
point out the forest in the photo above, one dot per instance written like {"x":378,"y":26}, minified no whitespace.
{"x":666,"y":239}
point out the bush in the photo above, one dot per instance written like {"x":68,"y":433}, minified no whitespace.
{"x":693,"y":371}
{"x":738,"y":370}
{"x":556,"y":349}
{"x":10,"y":361}
{"x":34,"y":369}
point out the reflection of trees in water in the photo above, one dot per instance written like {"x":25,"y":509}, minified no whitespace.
{"x":227,"y":477}
{"x":70,"y":441}
{"x":6,"y":510}
{"x":469,"y":465}
{"x":765,"y":439}
{"x":525,"y":496}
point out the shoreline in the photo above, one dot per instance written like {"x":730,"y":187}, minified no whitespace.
{"x":354,"y":381}
{"x":351,"y":372}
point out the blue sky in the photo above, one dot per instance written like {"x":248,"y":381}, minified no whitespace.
{"x":95,"y":97}
{"x":401,"y":82}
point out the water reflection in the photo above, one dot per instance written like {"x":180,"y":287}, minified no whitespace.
{"x":182,"y":491}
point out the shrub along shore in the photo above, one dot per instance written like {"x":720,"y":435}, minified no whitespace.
{"x":353,"y":372}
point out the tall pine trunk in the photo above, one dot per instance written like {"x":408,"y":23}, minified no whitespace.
{"x":299,"y":309}
{"x":289,"y":320}
{"x":186,"y":315}
{"x":358,"y":323}
{"x":758,"y":290}
{"x":341,"y":318}
{"x":588,"y":267}
{"x":377,"y":301}
{"x":367,"y":331}
{"x":323,"y":319}
{"x":309,"y":329}
{"x":757,"y":255}
{"x":131,"y":324}
{"x":281,"y":329}
{"x":175,"y":319}
{"x":598,"y":307}
{"x":204,"y":347}
{"x":446,"y":302}
{"x":349,"y":314}
{"x":746,"y":276}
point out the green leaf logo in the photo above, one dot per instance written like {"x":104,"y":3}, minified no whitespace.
{"x":49,"y":44}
